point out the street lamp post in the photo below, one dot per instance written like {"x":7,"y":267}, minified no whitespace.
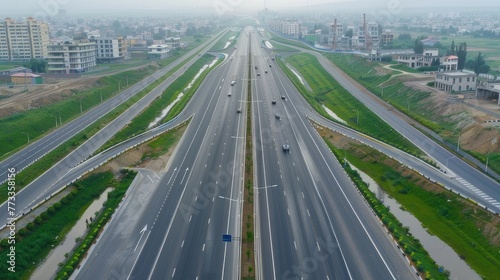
{"x":60,"y":120}
{"x":458,"y":142}
{"x":487,"y":160}
{"x":55,"y":118}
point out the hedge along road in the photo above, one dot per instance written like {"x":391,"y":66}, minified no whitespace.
{"x":33,"y":193}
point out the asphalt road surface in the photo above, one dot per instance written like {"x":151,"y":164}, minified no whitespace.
{"x":311,"y":221}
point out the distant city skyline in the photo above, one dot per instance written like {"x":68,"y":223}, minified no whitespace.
{"x":40,"y":7}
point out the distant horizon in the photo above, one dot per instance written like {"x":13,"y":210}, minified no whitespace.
{"x":40,"y":8}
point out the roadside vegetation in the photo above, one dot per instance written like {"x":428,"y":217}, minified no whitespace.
{"x":247,"y":245}
{"x":220,"y":45}
{"x":413,"y":102}
{"x":161,"y":144}
{"x":96,"y":226}
{"x":37,"y":239}
{"x":140,"y":123}
{"x":39,"y":121}
{"x":471,"y":231}
{"x":290,"y":42}
{"x":326,"y":91}
{"x":26,"y":176}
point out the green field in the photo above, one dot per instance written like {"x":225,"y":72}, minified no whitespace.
{"x":326,"y":91}
{"x":9,"y":65}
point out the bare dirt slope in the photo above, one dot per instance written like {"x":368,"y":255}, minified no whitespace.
{"x":18,"y":99}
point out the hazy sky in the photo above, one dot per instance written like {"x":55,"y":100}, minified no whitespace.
{"x":51,"y":6}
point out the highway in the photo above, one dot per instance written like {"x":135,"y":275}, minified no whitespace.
{"x":198,"y":198}
{"x":466,"y":179}
{"x":311,"y":221}
{"x":43,"y":186}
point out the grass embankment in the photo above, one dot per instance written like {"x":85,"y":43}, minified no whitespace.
{"x":140,"y":123}
{"x":326,"y":91}
{"x":280,"y":47}
{"x":290,"y":42}
{"x":412,"y":102}
{"x":161,"y":144}
{"x":470,"y":230}
{"x":34,"y":242}
{"x":247,"y":241}
{"x":95,"y":228}
{"x":220,"y":45}
{"x":40,"y":121}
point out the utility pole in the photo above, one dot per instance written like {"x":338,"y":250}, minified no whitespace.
{"x":487,"y":160}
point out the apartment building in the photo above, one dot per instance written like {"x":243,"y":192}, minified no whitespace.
{"x":287,"y":26}
{"x":21,"y":41}
{"x":76,"y":57}
{"x":110,"y":49}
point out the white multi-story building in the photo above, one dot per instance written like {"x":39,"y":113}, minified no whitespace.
{"x":158,"y":51}
{"x":455,"y":81}
{"x":413,"y":60}
{"x":76,"y":57}
{"x":21,"y":41}
{"x":110,"y":49}
{"x":287,"y":26}
{"x":335,"y":34}
{"x":371,"y":31}
{"x":449,"y":63}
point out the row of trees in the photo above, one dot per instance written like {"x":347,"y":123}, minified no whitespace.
{"x":36,"y":65}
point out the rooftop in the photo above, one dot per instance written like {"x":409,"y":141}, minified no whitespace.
{"x":457,"y":74}
{"x":30,"y":75}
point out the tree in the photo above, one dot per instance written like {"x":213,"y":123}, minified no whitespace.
{"x":349,"y":33}
{"x":462,"y":55}
{"x":37,"y":65}
{"x":451,"y":50}
{"x":404,"y":36}
{"x":419,"y":47}
{"x":435,"y":62}
{"x":480,"y":65}
{"x":469,"y":64}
